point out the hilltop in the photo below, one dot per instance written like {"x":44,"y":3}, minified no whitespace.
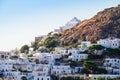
{"x":105,"y":24}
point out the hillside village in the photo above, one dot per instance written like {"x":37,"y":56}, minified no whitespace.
{"x":88,"y":62}
{"x":49,"y":59}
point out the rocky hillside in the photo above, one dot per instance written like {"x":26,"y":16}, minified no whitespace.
{"x":105,"y":24}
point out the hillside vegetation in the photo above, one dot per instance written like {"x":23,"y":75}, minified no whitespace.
{"x":103,"y":25}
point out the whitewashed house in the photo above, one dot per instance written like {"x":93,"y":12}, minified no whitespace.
{"x":4,"y":55}
{"x":77,"y":57}
{"x":6,"y":65}
{"x":17,"y":68}
{"x":73,"y":22}
{"x":41,"y":72}
{"x":85,"y":44}
{"x":110,"y":42}
{"x":116,"y":71}
{"x":23,"y":55}
{"x":56,"y":55}
{"x":42,"y":69}
{"x":64,"y":51}
{"x":78,"y":69}
{"x":45,"y":58}
{"x":105,"y":76}
{"x":73,"y":51}
{"x":61,"y":69}
{"x":42,"y":78}
{"x":112,"y":62}
{"x":112,"y":65}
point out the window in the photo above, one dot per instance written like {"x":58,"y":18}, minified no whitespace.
{"x":37,"y":78}
{"x":41,"y":78}
{"x":2,"y":56}
{"x":47,"y":78}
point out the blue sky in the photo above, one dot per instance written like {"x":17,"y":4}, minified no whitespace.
{"x":22,"y":20}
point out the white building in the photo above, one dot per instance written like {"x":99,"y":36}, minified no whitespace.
{"x":42,"y":78}
{"x":6,"y":65}
{"x":23,"y":55}
{"x":116,"y":71}
{"x":41,"y":69}
{"x":77,"y":57}
{"x":74,"y":51}
{"x":109,"y":42}
{"x":56,"y":56}
{"x":105,"y":76}
{"x":77,"y":69}
{"x":73,"y":22}
{"x":45,"y":58}
{"x":61,"y":69}
{"x":17,"y":68}
{"x":64,"y":51}
{"x":112,"y":65}
{"x":112,"y":62}
{"x":4,"y":55}
{"x":85,"y":44}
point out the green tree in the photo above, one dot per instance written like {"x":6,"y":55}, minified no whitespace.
{"x":89,"y":67}
{"x":112,"y":52}
{"x":93,"y":56}
{"x":100,"y":78}
{"x":113,"y":78}
{"x":50,"y":42}
{"x":96,"y":47}
{"x":92,"y":48}
{"x":67,"y":78}
{"x":71,"y":78}
{"x":54,"y":77}
{"x":101,"y":71}
{"x":34,"y":45}
{"x":78,"y":78}
{"x":24,"y":49}
{"x":72,"y":63}
{"x":30,"y":55}
{"x":43,"y":50}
